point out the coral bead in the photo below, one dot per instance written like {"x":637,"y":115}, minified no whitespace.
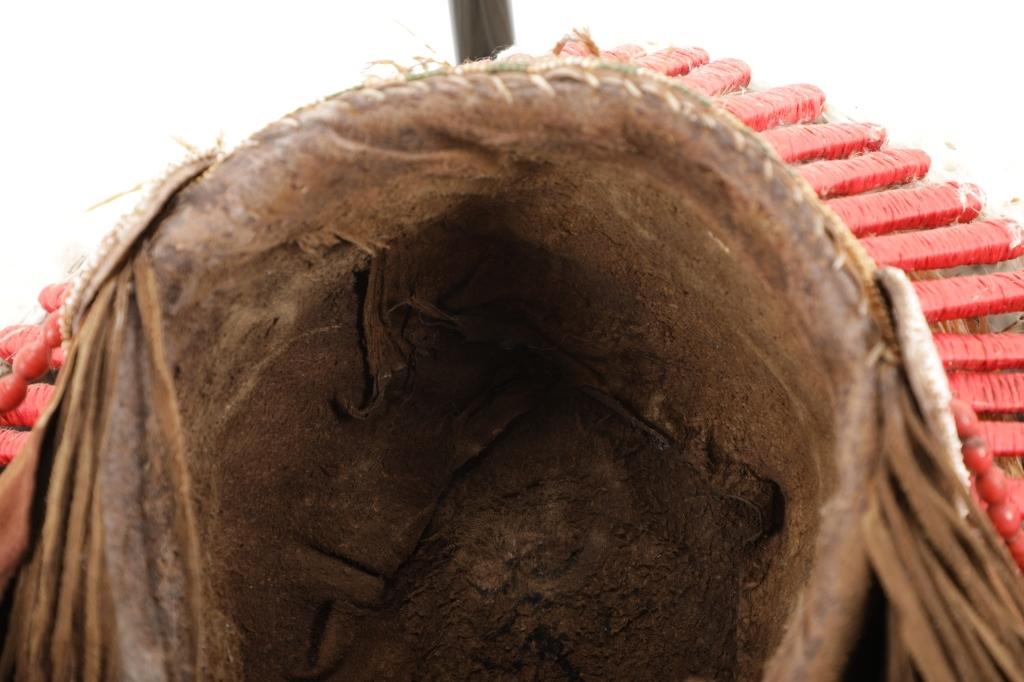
{"x":1016,"y":546}
{"x":977,"y":456}
{"x":51,"y":330}
{"x":1006,"y":518}
{"x":53,"y":296}
{"x":992,"y":486}
{"x":965,"y":417}
{"x":33,"y":360}
{"x":12,"y":392}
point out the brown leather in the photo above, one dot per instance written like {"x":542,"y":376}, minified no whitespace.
{"x":17,"y":486}
{"x":486,"y":375}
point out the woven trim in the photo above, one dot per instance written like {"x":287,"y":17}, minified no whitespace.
{"x":115,"y":245}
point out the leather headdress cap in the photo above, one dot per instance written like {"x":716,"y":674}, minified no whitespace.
{"x":550,"y":371}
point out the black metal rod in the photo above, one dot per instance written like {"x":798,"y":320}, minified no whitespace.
{"x":481,"y":28}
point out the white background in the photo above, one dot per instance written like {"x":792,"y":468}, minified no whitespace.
{"x":94,"y":93}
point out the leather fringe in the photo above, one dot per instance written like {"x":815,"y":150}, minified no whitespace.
{"x":954,"y":599}
{"x":117,"y":492}
{"x":953,"y":595}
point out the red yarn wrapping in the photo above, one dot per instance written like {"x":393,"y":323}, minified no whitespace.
{"x":868,"y":171}
{"x":824,"y":140}
{"x":575,"y":48}
{"x":776,"y":107}
{"x":673,"y":61}
{"x":11,"y":443}
{"x":623,"y":53}
{"x":980,"y":352}
{"x":987,"y":241}
{"x":972,"y":296}
{"x":719,"y":77}
{"x":52,"y":296}
{"x":913,"y":207}
{"x":989,"y":391}
{"x":1004,"y":439}
{"x":28,"y":412}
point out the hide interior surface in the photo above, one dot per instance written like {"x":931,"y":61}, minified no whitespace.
{"x":495,"y":374}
